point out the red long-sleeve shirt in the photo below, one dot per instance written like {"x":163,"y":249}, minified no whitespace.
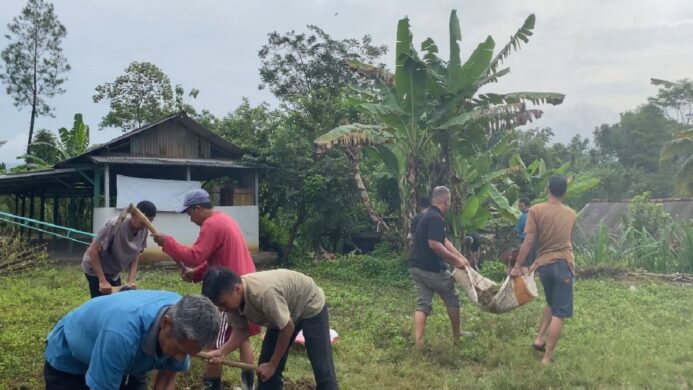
{"x":219,"y":244}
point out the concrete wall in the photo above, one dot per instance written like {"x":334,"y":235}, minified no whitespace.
{"x":180,"y":227}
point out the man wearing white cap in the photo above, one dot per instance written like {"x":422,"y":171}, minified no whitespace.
{"x":219,"y":244}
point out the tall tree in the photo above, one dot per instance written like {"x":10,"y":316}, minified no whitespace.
{"x":675,"y":98}
{"x":142,"y":95}
{"x":34,"y":64}
{"x":306,"y":72}
{"x":636,"y":140}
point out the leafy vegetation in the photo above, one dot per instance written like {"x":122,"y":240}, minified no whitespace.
{"x":371,"y":305}
{"x":433,"y":124}
{"x":140,"y":96}
{"x":671,"y":250}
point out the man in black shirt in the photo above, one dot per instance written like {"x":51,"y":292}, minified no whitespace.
{"x":424,"y":205}
{"x":428,"y":266}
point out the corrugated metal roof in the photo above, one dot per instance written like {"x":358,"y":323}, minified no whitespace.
{"x":610,"y":214}
{"x":38,"y":173}
{"x":182,"y":117}
{"x":165,"y":161}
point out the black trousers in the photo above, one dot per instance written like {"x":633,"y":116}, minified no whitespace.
{"x":60,"y":380}
{"x":316,"y":331}
{"x":94,"y":285}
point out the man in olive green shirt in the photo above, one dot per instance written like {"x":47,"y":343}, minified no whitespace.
{"x":284,"y":301}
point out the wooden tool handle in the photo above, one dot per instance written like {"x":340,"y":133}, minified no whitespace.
{"x":231,"y":363}
{"x":146,"y":221}
{"x":150,"y":226}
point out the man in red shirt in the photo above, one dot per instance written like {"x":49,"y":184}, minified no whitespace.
{"x":219,"y":244}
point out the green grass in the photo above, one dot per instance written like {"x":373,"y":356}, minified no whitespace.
{"x":618,"y":338}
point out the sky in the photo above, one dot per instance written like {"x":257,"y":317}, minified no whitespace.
{"x":600,"y":53}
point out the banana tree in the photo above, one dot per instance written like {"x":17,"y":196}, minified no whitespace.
{"x":73,"y":142}
{"x":432,"y":110}
{"x":352,"y":139}
{"x":680,"y":151}
{"x":538,"y":176}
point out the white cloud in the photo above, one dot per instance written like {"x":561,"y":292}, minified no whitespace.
{"x":600,"y":53}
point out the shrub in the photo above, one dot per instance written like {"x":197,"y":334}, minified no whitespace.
{"x":643,"y":214}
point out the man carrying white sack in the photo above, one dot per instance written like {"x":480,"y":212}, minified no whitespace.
{"x":551,"y":225}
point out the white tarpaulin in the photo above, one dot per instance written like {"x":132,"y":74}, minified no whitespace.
{"x":167,"y":195}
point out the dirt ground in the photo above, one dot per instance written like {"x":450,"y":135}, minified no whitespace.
{"x":621,"y":274}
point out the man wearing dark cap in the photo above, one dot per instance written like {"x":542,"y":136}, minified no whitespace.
{"x":220,"y":243}
{"x":551,"y":225}
{"x":116,"y":248}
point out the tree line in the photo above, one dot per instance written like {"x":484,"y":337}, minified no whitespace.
{"x":369,"y":139}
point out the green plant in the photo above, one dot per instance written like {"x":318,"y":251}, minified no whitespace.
{"x":434,"y":114}
{"x":643,"y":214}
{"x":273,"y":236}
{"x":494,"y":270}
{"x":371,"y":302}
{"x":669,"y":251}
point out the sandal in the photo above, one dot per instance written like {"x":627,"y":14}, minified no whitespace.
{"x":540,"y":348}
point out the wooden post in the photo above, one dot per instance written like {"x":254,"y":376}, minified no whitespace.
{"x":107,"y":186}
{"x":31,"y":215}
{"x":257,"y":201}
{"x":56,"y":215}
{"x":56,"y":208}
{"x":97,"y":187}
{"x":42,"y":212}
{"x":16,"y":203}
{"x":71,"y":218}
{"x":21,"y":229}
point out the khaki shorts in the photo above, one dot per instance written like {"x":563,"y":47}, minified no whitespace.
{"x":429,"y":282}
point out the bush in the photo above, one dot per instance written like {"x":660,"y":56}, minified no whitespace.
{"x":16,"y":255}
{"x":671,"y":250}
{"x":494,"y":270}
{"x":643,"y":214}
{"x":273,"y":237}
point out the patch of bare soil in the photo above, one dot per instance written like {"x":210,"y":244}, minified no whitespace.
{"x":299,"y":384}
{"x":626,"y":275}
{"x":601,"y":272}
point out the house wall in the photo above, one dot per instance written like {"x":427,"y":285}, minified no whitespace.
{"x":179,"y":226}
{"x":170,"y":139}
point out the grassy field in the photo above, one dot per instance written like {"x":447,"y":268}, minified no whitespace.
{"x":625,"y":334}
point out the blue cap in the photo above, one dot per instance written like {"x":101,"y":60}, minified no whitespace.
{"x":193,"y":198}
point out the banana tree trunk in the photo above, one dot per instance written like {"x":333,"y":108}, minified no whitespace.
{"x":409,"y":196}
{"x":353,"y":154}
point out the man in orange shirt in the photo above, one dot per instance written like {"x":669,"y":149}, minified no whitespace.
{"x":551,"y":225}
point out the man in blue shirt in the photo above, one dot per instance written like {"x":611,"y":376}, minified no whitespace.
{"x":112,"y":342}
{"x":524,"y":206}
{"x":520,"y":227}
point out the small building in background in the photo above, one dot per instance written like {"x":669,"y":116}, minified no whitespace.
{"x":159,"y":162}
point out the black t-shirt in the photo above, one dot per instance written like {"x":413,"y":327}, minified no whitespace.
{"x":416,"y":220}
{"x":431,"y":226}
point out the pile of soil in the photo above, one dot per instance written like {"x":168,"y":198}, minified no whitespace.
{"x":299,"y":384}
{"x":486,"y":296}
